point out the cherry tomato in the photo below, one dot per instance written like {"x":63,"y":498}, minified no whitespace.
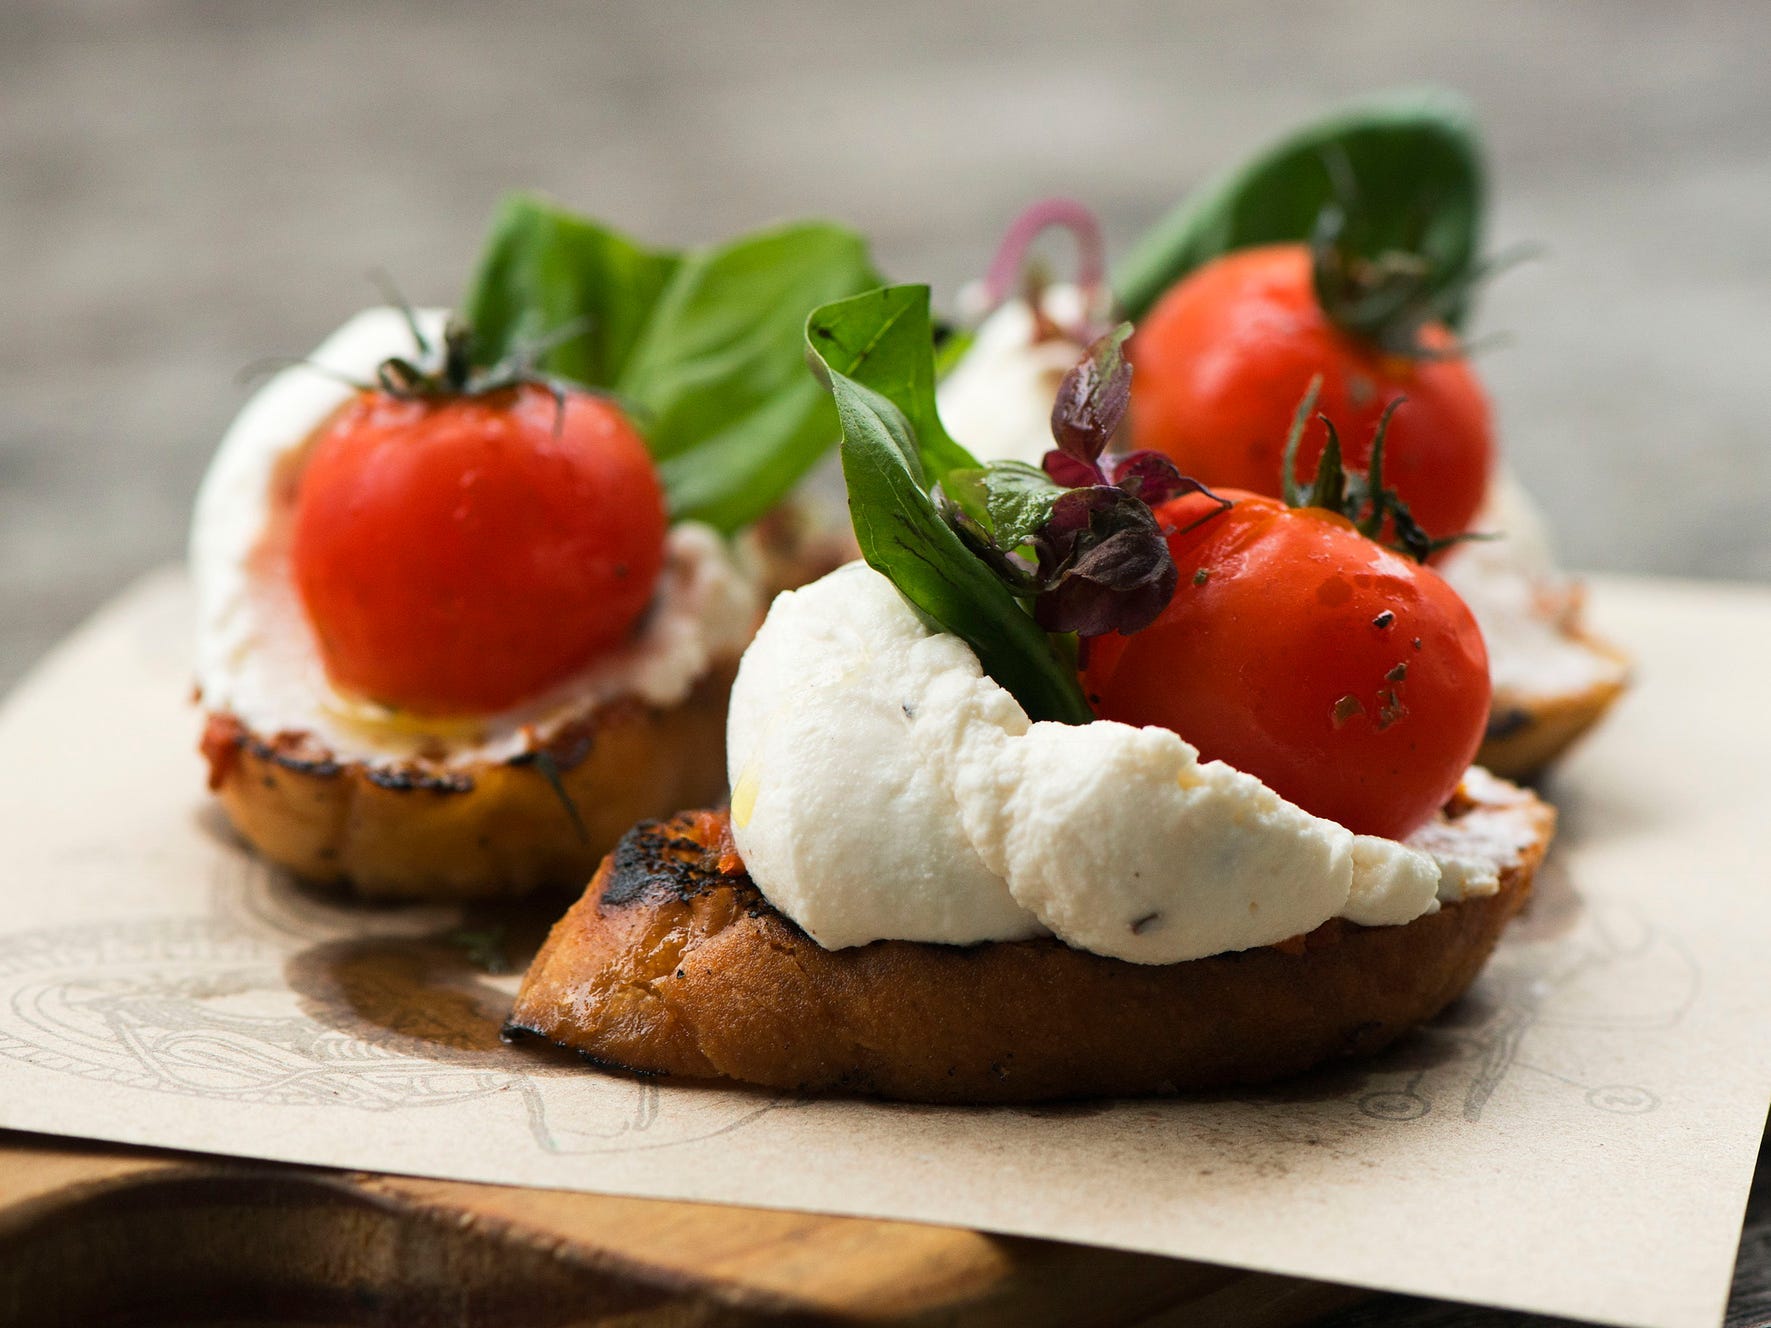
{"x":1348,"y":678}
{"x":1224,"y":358}
{"x":459,"y":554}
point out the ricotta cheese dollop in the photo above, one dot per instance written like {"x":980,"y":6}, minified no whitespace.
{"x":997,"y":400}
{"x":885,"y":788}
{"x":256,"y":657}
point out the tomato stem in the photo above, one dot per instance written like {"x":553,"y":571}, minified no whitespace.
{"x":1388,"y":295}
{"x":1361,"y":498}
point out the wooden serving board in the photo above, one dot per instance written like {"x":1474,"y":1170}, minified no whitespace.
{"x":94,"y":1234}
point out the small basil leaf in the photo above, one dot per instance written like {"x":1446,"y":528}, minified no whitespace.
{"x":968,"y":500}
{"x":884,"y":341}
{"x":1413,"y":158}
{"x":899,"y":526}
{"x":705,"y":345}
{"x":1019,"y":500}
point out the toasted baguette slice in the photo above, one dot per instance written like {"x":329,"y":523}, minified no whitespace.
{"x":674,"y":963}
{"x":1527,"y":731}
{"x":450,"y":830}
{"x":1553,"y":678}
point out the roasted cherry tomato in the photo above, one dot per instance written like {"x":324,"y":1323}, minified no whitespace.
{"x":1224,"y":358}
{"x":458,"y":554}
{"x":1348,"y":678}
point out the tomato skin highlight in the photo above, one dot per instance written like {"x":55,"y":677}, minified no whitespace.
{"x":1225,"y":356}
{"x":1289,"y":651}
{"x":458,"y":555}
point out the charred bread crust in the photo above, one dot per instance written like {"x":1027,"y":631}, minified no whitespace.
{"x":674,"y":963}
{"x":475,"y":829}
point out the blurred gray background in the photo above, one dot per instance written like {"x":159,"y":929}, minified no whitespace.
{"x":190,"y":186}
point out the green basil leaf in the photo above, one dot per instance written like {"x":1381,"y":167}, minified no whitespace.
{"x":897,"y":523}
{"x":544,"y":269}
{"x":884,"y":340}
{"x":720,"y":370}
{"x":706,"y":346}
{"x":1009,"y":500}
{"x":1414,"y":157}
{"x":966,"y":493}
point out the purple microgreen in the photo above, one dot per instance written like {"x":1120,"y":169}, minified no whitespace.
{"x":1103,"y":564}
{"x":1092,"y":401}
{"x":1151,"y":476}
{"x":1099,"y":558}
{"x":1100,"y":561}
{"x":1071,"y":473}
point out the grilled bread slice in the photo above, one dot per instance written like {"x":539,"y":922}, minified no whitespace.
{"x":460,"y":829}
{"x":1529,"y":730}
{"x":674,"y":963}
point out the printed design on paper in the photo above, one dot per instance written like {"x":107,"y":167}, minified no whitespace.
{"x":1570,"y":981}
{"x":283,"y":999}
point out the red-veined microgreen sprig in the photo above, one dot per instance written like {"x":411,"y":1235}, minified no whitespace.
{"x":1013,"y":270}
{"x":1077,"y":536}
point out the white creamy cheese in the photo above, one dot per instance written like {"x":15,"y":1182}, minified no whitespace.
{"x":841,"y":822}
{"x":256,"y":657}
{"x":885,"y":788}
{"x":997,"y":401}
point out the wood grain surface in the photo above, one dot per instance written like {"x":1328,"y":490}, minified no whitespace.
{"x":91,"y":1233}
{"x":95,"y":1233}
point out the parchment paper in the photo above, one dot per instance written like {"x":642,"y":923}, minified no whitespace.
{"x":1576,"y":1137}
